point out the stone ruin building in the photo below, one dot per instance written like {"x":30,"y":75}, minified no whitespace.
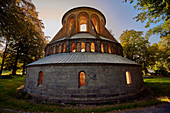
{"x":83,"y":63}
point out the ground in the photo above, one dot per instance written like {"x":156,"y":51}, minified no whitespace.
{"x":158,"y":100}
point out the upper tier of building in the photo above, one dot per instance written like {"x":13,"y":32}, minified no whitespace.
{"x":83,"y":30}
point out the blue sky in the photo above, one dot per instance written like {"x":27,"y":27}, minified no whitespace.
{"x":119,"y":15}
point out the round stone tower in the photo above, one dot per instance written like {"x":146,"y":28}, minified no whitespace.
{"x":83,"y":64}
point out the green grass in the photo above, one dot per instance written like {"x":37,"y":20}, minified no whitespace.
{"x":9,"y":100}
{"x":159,"y":85}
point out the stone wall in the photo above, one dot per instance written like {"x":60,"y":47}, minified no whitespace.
{"x":103,"y":82}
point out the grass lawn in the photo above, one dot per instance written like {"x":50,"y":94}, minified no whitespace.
{"x":9,"y":101}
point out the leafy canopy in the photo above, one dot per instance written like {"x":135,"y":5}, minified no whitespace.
{"x":154,"y":11}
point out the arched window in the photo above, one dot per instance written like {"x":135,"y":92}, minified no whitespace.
{"x":92,"y":47}
{"x":60,"y":48}
{"x":73,"y":47}
{"x":128,"y":78}
{"x":83,"y":22}
{"x":82,"y":47}
{"x":40,"y":78}
{"x":95,"y":20}
{"x":109,"y":49}
{"x":82,"y":79}
{"x":112,"y":48}
{"x":78,"y":47}
{"x":51,"y":50}
{"x":64,"y":49}
{"x":56,"y":49}
{"x":71,"y":22}
{"x":102,"y":48}
{"x":88,"y":47}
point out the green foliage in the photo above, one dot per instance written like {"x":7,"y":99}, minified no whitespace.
{"x":22,"y":30}
{"x":135,"y":46}
{"x":154,"y":11}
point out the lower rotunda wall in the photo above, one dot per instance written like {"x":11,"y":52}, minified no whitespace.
{"x":103,"y":82}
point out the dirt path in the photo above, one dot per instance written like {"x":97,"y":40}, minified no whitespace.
{"x":162,"y":108}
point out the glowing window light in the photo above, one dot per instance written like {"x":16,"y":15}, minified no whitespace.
{"x":73,"y":49}
{"x":92,"y":47}
{"x":83,"y":27}
{"x":109,"y":49}
{"x":82,"y":79}
{"x":82,"y":47}
{"x":102,"y":48}
{"x":128,"y":78}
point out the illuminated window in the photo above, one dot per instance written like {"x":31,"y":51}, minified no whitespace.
{"x":102,"y":48}
{"x":92,"y":47}
{"x":40,"y":78}
{"x":109,"y":49}
{"x":83,"y":27}
{"x":81,"y":79}
{"x":71,"y":22}
{"x":83,"y":22}
{"x":56,"y":50}
{"x":95,"y":20}
{"x":128,"y":78}
{"x":82,"y":47}
{"x":64,"y":48}
{"x":73,"y":47}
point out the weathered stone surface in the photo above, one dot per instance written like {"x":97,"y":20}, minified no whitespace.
{"x":101,"y":81}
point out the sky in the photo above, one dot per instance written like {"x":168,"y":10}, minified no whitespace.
{"x":119,"y":15}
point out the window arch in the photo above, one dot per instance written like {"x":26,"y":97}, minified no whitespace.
{"x":95,"y":20}
{"x":82,"y":77}
{"x":128,"y":78}
{"x":83,"y":22}
{"x":64,"y":48}
{"x":102,"y":48}
{"x":82,"y":47}
{"x":92,"y":47}
{"x":71,"y":20}
{"x":73,"y":47}
{"x":40,"y":78}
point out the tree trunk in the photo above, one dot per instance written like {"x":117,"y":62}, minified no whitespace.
{"x":3,"y":59}
{"x":23,"y":71}
{"x":15,"y":64}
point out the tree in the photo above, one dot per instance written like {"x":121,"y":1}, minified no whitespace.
{"x":22,"y":29}
{"x":135,"y":46}
{"x":164,"y":47}
{"x":154,"y":11}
